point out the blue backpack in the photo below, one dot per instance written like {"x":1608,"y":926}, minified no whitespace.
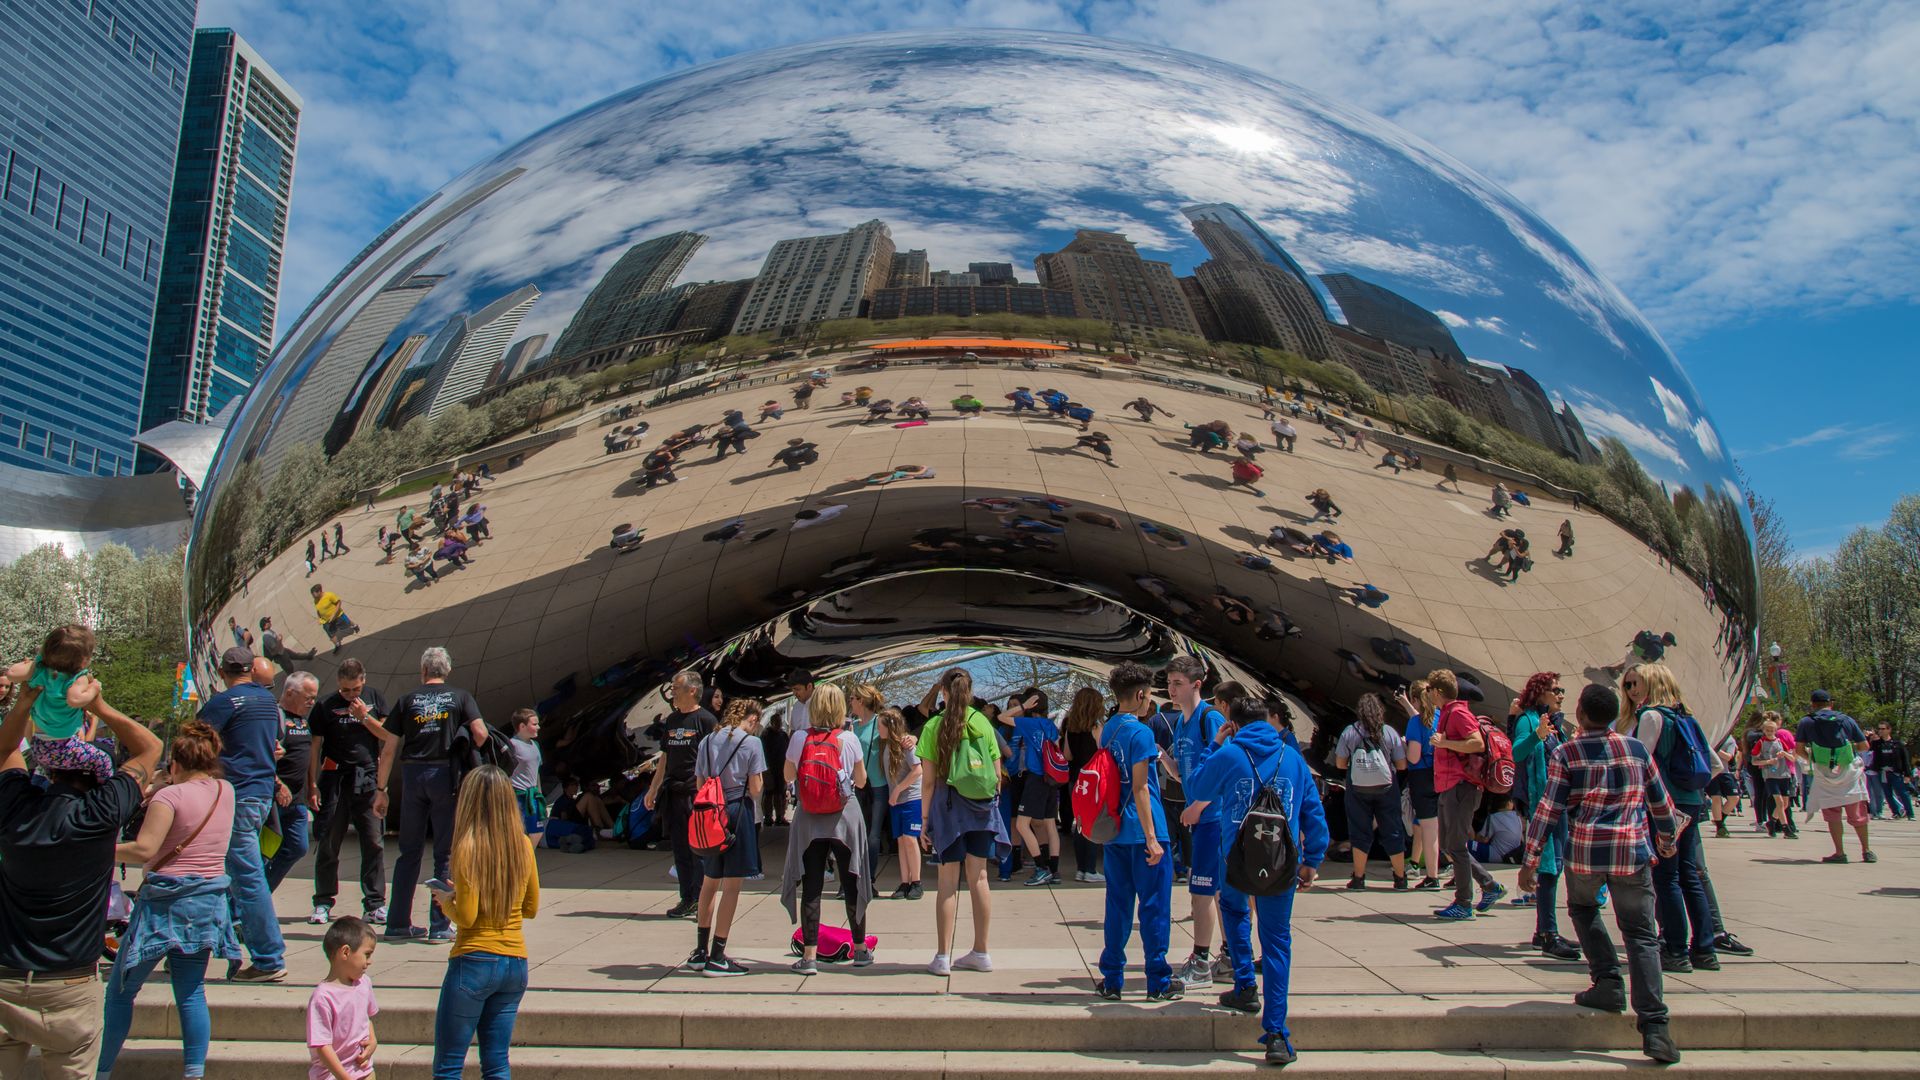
{"x":1688,"y":764}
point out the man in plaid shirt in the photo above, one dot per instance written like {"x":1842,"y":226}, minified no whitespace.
{"x":1607,"y":783}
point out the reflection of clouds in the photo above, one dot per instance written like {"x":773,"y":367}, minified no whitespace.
{"x":994,"y":148}
{"x":1600,"y":418}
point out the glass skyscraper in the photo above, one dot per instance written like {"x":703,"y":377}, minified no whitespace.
{"x":90,"y":104}
{"x":226,"y":232}
{"x":1234,"y":220}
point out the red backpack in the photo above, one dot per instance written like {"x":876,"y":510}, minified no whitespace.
{"x":710,"y":830}
{"x":1492,"y":769}
{"x":819,"y":774}
{"x":1096,"y":798}
{"x":1054,"y":759}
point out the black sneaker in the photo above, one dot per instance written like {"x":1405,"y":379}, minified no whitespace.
{"x":1280,"y":1052}
{"x":916,"y":892}
{"x":1400,"y":883}
{"x":899,"y":893}
{"x":1244,"y":999}
{"x":1727,"y":943}
{"x":1557,"y":947}
{"x":1428,"y":884}
{"x":696,"y":959}
{"x":1676,"y":964}
{"x":724,"y":967}
{"x":1704,"y":961}
{"x":1836,"y":857}
{"x":1107,"y":990}
{"x":1174,"y":991}
{"x":1657,"y":1044}
{"x":1606,"y":999}
{"x":1358,"y":884}
{"x":683,"y":909}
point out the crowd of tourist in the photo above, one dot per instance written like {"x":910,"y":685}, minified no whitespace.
{"x":1604,"y":801}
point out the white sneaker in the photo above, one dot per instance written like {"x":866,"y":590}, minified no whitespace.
{"x":975,"y":961}
{"x":673,"y":872}
{"x":1079,"y":875}
{"x":940,"y":965}
{"x":1095,"y":877}
{"x":322,"y":915}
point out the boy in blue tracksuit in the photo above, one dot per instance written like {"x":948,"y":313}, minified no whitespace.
{"x":1196,"y":734}
{"x":1254,"y":758}
{"x":1139,"y":873}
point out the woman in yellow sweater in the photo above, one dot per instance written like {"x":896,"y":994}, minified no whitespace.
{"x":495,"y":886}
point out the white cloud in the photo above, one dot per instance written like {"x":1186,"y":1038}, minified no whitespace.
{"x":1599,"y":418}
{"x":1681,"y":418}
{"x":1452,"y":320}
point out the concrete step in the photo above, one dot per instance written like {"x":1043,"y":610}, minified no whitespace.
{"x":149,"y":1060}
{"x":730,"y":1016}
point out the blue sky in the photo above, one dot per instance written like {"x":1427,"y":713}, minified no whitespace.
{"x":1746,"y":173}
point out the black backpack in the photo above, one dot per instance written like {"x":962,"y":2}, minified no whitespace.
{"x":1264,"y":859}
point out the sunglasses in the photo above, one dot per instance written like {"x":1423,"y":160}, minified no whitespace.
{"x":1555,"y":690}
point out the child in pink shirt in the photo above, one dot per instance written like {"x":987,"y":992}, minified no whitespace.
{"x":340,"y":1012}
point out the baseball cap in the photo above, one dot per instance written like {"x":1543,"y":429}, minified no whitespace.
{"x":1821,"y":697}
{"x":238,"y":658}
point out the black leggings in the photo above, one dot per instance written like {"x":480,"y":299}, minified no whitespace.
{"x":813,"y":862}
{"x":1086,"y":853}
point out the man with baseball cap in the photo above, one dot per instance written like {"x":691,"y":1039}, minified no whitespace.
{"x":56,"y":875}
{"x":247,"y":717}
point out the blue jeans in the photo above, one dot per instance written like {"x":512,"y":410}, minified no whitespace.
{"x":426,"y":799}
{"x":1275,"y":914}
{"x":1132,"y":884}
{"x":1546,"y":897}
{"x":293,"y":844}
{"x":480,"y":994}
{"x":1686,"y":919}
{"x":252,"y":899}
{"x":1899,"y":798}
{"x":189,"y":974}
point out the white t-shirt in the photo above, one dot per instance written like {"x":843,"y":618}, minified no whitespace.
{"x":850,"y":754}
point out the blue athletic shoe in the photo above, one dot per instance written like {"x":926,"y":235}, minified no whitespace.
{"x":1454,"y":912}
{"x":1601,"y":901}
{"x":1489,"y":898}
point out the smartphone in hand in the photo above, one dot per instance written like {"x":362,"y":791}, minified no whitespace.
{"x":437,"y":885}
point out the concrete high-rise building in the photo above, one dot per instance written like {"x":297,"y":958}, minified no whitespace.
{"x":90,"y":102}
{"x":219,"y":292}
{"x":1384,"y":313}
{"x":993,"y":273}
{"x":518,"y":360}
{"x":462,"y":372}
{"x":1259,"y":300}
{"x":619,"y":307}
{"x":384,"y":381}
{"x":1203,"y":310}
{"x":1253,"y":242}
{"x":1111,"y":282}
{"x":955,"y":278}
{"x":968,"y":300}
{"x":909,"y":270}
{"x":714,"y":306}
{"x":1385,"y":365}
{"x":813,"y":279}
{"x":309,"y":412}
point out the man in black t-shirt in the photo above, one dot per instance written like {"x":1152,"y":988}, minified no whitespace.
{"x":351,"y":759}
{"x":56,"y":874}
{"x":290,"y":773}
{"x":426,"y":721}
{"x":685,"y":727}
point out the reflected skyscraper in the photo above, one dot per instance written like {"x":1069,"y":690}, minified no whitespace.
{"x":909,"y":270}
{"x":311,"y":409}
{"x":519,"y":359}
{"x":1109,"y":281}
{"x":1259,"y":301}
{"x":226,"y":232}
{"x":993,"y":273}
{"x":384,"y":382}
{"x":1385,"y":313}
{"x":1254,"y":242}
{"x":90,"y":104}
{"x":619,"y":308}
{"x":812,"y":279}
{"x":462,"y":372}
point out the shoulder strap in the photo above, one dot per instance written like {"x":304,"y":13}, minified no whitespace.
{"x":218,"y":791}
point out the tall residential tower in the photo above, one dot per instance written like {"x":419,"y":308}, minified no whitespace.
{"x":226,"y":232}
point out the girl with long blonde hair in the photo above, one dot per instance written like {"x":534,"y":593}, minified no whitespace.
{"x":1651,"y":711}
{"x":496,"y":886}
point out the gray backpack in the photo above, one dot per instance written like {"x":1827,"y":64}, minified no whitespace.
{"x":1369,"y":767}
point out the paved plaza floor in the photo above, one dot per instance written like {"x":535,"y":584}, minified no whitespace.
{"x":1816,"y":929}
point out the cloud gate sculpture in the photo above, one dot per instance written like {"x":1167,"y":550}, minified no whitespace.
{"x":866,"y":347}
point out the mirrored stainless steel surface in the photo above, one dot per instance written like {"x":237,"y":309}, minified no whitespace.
{"x":937,"y":224}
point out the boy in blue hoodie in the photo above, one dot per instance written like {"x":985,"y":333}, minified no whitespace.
{"x":1139,"y":873}
{"x":1254,"y":758}
{"x":1197,"y":729}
